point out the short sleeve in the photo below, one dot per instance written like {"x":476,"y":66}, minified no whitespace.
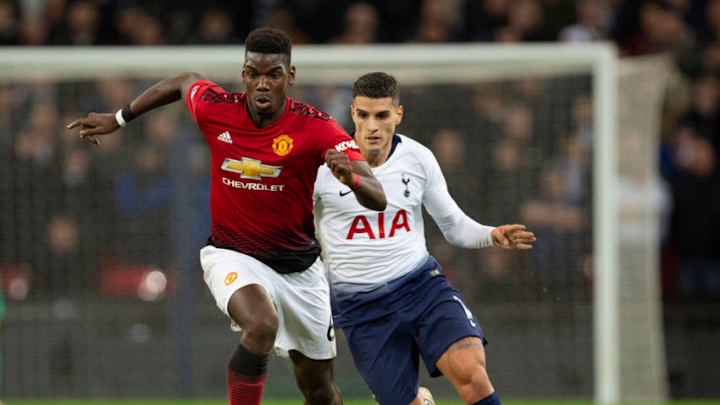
{"x":334,"y":137}
{"x":200,"y":95}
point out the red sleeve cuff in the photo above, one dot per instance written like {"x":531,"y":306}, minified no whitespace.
{"x":353,"y":154}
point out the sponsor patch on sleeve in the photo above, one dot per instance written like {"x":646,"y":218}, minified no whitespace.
{"x":345,"y":145}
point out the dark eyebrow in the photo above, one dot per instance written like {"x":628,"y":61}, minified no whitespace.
{"x":271,"y":70}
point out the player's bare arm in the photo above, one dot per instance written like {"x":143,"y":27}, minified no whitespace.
{"x":512,"y":237}
{"x":367,"y":189}
{"x":163,"y":92}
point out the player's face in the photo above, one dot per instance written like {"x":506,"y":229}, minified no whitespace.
{"x":375,"y":121}
{"x":266,"y":76}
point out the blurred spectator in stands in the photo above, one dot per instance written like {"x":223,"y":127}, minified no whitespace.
{"x":216,"y":28}
{"x":136,"y":27}
{"x":125,"y":20}
{"x":114,"y":92}
{"x":37,"y":144}
{"x":593,"y":19}
{"x":711,"y":59}
{"x":582,"y":121}
{"x":704,"y":113}
{"x":361,"y":25}
{"x":148,"y":31}
{"x":525,"y":20}
{"x":8,"y":120}
{"x":710,"y":31}
{"x":34,"y":31}
{"x":62,"y":266}
{"x":696,"y":217}
{"x":282,"y":19}
{"x":561,"y":223}
{"x":484,"y":17}
{"x":439,"y":21}
{"x":56,"y":16}
{"x":448,"y":146}
{"x":8,"y":24}
{"x":82,"y":25}
{"x":144,"y":193}
{"x":199,"y":191}
{"x":659,"y":28}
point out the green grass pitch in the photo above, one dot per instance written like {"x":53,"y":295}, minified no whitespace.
{"x":439,"y":401}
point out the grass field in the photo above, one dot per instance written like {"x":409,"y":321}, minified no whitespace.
{"x":296,"y":402}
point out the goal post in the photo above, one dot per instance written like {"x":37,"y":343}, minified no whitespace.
{"x":446,"y":85}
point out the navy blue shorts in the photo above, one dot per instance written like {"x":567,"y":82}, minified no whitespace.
{"x":423,"y":317}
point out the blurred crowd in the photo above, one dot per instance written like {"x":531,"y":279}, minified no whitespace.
{"x":76,"y":209}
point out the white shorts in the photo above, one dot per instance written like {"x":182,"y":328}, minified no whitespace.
{"x":302,"y":300}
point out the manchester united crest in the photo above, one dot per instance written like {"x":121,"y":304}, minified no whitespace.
{"x":282,"y":145}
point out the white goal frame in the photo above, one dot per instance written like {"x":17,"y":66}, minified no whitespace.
{"x":599,"y":60}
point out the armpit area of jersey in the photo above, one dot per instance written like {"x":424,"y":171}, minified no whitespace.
{"x":291,"y":262}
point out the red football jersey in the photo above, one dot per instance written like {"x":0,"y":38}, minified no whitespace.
{"x":262,"y":178}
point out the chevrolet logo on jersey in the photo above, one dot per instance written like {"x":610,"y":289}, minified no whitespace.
{"x":251,"y":168}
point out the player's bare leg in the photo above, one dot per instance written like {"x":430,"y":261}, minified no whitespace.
{"x":251,"y":308}
{"x":424,"y":397}
{"x":315,"y":379}
{"x":463,"y":363}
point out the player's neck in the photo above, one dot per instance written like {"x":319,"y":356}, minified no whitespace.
{"x":376,"y":158}
{"x":262,"y":121}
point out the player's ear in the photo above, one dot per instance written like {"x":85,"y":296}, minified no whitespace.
{"x":399,"y":115}
{"x":291,"y":75}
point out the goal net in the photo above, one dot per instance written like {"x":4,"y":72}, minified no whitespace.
{"x":98,"y":246}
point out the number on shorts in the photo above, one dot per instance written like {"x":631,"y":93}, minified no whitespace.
{"x":467,"y":311}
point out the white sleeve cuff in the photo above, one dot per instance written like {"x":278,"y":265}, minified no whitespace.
{"x":119,"y":118}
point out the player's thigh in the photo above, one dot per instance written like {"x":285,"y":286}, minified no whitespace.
{"x":445,"y":322}
{"x":303,"y":305}
{"x":247,"y":281}
{"x":386,"y":356}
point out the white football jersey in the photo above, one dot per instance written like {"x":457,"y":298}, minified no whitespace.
{"x":364,"y":247}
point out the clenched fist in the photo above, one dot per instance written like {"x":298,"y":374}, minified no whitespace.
{"x":339,"y":165}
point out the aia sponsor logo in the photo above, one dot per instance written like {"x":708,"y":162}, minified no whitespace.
{"x":361,"y":225}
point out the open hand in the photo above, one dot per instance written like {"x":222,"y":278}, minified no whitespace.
{"x":95,"y":124}
{"x":512,"y":237}
{"x":339,"y":165}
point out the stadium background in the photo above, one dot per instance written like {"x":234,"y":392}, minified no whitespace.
{"x":98,"y":247}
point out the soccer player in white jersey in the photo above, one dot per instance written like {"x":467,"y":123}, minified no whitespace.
{"x":389,"y":295}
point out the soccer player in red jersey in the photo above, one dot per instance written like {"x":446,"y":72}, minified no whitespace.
{"x":261,"y":262}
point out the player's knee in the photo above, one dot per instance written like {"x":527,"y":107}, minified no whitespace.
{"x":470,"y":371}
{"x":479,"y":377}
{"x":260,"y":333}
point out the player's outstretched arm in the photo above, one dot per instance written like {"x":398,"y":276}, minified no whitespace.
{"x":512,"y":237}
{"x":358,"y":176}
{"x":163,"y":92}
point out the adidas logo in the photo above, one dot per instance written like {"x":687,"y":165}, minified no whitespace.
{"x":225,"y":137}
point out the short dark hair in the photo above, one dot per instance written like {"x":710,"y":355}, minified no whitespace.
{"x":269,"y":40}
{"x":377,"y":85}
